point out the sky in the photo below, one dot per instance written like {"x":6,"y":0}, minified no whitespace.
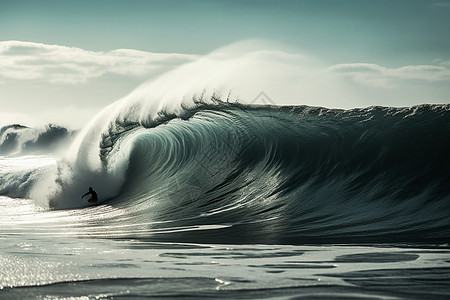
{"x":63,"y":61}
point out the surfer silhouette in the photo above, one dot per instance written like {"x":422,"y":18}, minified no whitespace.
{"x":93,"y":195}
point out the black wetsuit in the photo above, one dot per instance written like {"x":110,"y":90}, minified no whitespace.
{"x":93,"y":198}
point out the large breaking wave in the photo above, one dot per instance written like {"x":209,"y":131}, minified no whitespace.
{"x":213,"y":171}
{"x":172,"y":163}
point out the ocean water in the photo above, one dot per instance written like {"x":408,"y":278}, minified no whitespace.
{"x":211,"y":199}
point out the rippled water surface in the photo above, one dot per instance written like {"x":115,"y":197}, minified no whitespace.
{"x":40,"y":263}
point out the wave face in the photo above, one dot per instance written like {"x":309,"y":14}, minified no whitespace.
{"x":267,"y":174}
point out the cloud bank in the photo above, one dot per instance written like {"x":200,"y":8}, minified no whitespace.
{"x":49,"y":83}
{"x":68,"y":65}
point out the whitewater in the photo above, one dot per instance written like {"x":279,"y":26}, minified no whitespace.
{"x":204,"y":196}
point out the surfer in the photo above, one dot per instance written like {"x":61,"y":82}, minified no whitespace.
{"x":93,"y":195}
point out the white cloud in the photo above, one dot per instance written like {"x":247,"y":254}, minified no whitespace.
{"x":379,"y":76}
{"x":69,"y":65}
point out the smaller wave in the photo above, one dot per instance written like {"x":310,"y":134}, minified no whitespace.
{"x":17,"y":139}
{"x":28,"y":156}
{"x":18,"y":175}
